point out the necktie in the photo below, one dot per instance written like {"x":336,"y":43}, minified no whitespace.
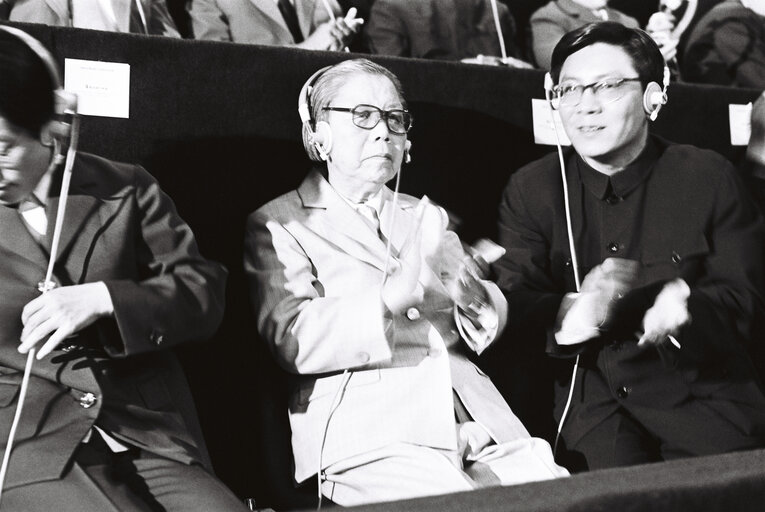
{"x":138,"y":23}
{"x":370,"y":216}
{"x":290,"y":18}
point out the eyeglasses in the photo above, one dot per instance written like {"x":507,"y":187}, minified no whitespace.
{"x":607,"y":91}
{"x":368,"y":116}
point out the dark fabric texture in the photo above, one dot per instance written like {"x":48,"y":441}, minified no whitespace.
{"x":727,"y":47}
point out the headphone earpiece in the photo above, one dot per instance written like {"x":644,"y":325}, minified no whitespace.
{"x":407,"y":152}
{"x":321,"y":138}
{"x":655,"y":96}
{"x":550,"y":93}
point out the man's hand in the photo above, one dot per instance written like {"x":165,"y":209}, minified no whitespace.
{"x":334,"y":35}
{"x":667,"y":315}
{"x":660,"y":27}
{"x":466,"y":290}
{"x":62,"y":312}
{"x":607,"y":283}
{"x":603,"y":286}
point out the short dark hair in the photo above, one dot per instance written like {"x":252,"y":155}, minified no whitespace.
{"x":641,"y":48}
{"x":26,"y":86}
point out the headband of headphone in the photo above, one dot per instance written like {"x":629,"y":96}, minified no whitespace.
{"x":304,"y":99}
{"x":65,"y":103}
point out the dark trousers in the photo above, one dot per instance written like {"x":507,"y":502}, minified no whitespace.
{"x":136,"y":480}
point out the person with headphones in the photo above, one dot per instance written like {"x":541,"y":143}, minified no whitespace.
{"x":671,"y":250}
{"x":109,"y":423}
{"x":372,"y":306}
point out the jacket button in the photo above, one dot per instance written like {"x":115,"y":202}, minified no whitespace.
{"x":623,"y":392}
{"x":413,"y":314}
{"x":613,"y":247}
{"x":87,"y":400}
{"x":613,"y":199}
{"x":363,"y":357}
{"x":676,"y":258}
{"x":156,"y":338}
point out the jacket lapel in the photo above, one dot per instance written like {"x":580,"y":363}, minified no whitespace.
{"x":16,"y":238}
{"x":61,"y":8}
{"x":344,"y":226}
{"x":271,"y":10}
{"x":80,"y":217}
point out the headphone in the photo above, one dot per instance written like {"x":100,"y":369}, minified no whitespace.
{"x":317,"y":136}
{"x":654,"y":97}
{"x":64,"y":103}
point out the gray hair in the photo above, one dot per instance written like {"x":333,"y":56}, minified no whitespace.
{"x":326,"y":86}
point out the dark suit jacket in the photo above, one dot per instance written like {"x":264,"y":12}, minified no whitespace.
{"x":697,"y":224}
{"x":551,"y":22}
{"x":119,"y":228}
{"x":727,"y":47}
{"x":438,"y":29}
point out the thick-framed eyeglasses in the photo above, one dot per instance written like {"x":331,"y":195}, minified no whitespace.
{"x":608,"y":90}
{"x":368,"y":116}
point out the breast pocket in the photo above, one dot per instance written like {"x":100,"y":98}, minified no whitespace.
{"x":684,"y":259}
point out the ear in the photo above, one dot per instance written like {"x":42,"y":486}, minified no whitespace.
{"x":653,"y":99}
{"x":322,"y":139}
{"x":51,"y":131}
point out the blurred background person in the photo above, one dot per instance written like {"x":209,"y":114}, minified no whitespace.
{"x":442,"y":29}
{"x":149,"y":17}
{"x":373,"y":307}
{"x":552,"y":21}
{"x":727,"y":46}
{"x":753,"y":167}
{"x":301,"y":23}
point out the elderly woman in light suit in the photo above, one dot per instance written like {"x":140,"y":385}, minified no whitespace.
{"x":372,"y":305}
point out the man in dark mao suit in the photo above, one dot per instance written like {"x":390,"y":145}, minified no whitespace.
{"x":108,"y":422}
{"x":670,"y":251}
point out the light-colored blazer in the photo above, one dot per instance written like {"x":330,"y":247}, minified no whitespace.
{"x":552,"y":21}
{"x":57,"y":13}
{"x":315,"y":270}
{"x":255,"y":21}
